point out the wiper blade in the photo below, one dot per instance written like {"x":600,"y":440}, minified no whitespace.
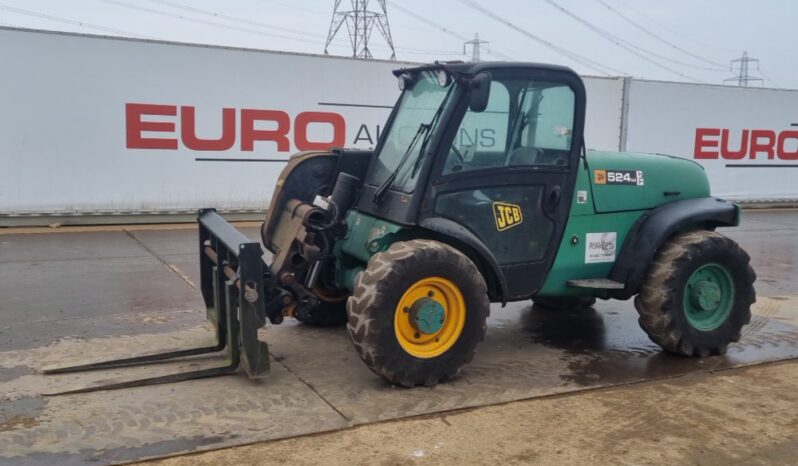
{"x":383,"y":188}
{"x":423,"y":128}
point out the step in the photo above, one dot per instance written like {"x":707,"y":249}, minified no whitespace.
{"x":600,"y":283}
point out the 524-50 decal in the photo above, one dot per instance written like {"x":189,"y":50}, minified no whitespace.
{"x":627,"y":177}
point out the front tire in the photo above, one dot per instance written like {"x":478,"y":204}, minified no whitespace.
{"x":697,"y":294}
{"x":418,"y":312}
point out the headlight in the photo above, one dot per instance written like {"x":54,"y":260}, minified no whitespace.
{"x":404,"y":80}
{"x":443,"y":78}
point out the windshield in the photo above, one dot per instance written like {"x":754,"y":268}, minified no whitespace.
{"x":415,"y":121}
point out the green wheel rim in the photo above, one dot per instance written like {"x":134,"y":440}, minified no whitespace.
{"x":709,"y":297}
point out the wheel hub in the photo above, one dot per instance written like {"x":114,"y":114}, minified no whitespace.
{"x":709,"y":297}
{"x":705,"y":295}
{"x":427,"y":315}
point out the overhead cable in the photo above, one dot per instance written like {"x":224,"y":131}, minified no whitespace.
{"x":618,"y":41}
{"x":663,"y":40}
{"x":205,"y":22}
{"x":73,"y":22}
{"x":446,"y":30}
{"x":235,"y":19}
{"x":671,"y":30}
{"x":592,"y":64}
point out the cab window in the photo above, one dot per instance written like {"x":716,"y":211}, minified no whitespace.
{"x":526,"y":123}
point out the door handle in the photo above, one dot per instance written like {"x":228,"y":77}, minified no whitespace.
{"x":554,"y":198}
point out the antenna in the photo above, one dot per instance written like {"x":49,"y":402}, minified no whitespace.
{"x":743,"y":77}
{"x":360,"y":21}
{"x":475,"y":46}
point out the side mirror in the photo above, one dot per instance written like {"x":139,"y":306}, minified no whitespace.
{"x":480,"y":92}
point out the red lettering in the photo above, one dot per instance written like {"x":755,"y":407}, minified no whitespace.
{"x":306,"y":118}
{"x":782,"y":151}
{"x":188,"y":131}
{"x":727,"y":153}
{"x":702,"y":143}
{"x":766,"y":147}
{"x":249,"y":134}
{"x":135,"y":126}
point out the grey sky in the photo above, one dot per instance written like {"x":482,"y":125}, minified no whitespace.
{"x":705,"y":30}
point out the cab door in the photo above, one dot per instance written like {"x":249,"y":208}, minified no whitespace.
{"x":507,"y":174}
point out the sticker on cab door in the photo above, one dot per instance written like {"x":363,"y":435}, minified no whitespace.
{"x":600,"y":247}
{"x":623,"y":177}
{"x":507,"y":215}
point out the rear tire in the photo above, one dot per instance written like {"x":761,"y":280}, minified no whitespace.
{"x":565,"y":303}
{"x":418,"y":312}
{"x":697,"y":294}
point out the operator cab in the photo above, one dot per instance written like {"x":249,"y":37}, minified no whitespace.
{"x":487,"y":149}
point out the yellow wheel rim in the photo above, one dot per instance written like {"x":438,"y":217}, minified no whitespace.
{"x":429,"y":317}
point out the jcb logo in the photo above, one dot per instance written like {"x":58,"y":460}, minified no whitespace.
{"x":507,"y":215}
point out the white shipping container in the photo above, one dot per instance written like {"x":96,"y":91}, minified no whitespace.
{"x":105,"y":124}
{"x":69,"y":126}
{"x":745,"y":138}
{"x":97,"y":124}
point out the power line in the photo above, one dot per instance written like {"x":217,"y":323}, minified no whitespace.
{"x":672,"y":31}
{"x":235,"y":19}
{"x":296,"y":7}
{"x":768,"y":78}
{"x":427,"y":21}
{"x":258,"y":24}
{"x":601,"y":68}
{"x":202,"y":21}
{"x":73,"y":22}
{"x":744,"y":77}
{"x":360,"y":21}
{"x":618,"y":41}
{"x":268,"y":26}
{"x":475,"y":44}
{"x":445,"y":30}
{"x":665,"y":41}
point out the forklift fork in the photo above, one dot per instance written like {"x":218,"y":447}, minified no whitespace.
{"x":232,"y":275}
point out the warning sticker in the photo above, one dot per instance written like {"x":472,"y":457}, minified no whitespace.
{"x":581,"y":197}
{"x":600,"y":247}
{"x":628,"y":177}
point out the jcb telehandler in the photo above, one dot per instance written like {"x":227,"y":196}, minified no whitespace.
{"x":480,"y":190}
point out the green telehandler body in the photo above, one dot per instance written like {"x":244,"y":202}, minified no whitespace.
{"x":480,"y":190}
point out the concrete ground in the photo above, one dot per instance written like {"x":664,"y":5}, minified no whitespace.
{"x":74,"y":294}
{"x":743,"y":416}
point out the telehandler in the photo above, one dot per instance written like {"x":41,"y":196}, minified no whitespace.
{"x":480,"y":190}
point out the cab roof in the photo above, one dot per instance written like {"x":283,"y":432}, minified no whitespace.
{"x":472,"y":68}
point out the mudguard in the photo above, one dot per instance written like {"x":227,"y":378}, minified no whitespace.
{"x":655,"y":227}
{"x":453,"y":230}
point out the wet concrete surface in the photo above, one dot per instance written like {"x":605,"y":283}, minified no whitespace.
{"x":71,"y":297}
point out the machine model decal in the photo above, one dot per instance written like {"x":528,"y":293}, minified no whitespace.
{"x":507,"y":215}
{"x":600,"y":247}
{"x":627,"y":177}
